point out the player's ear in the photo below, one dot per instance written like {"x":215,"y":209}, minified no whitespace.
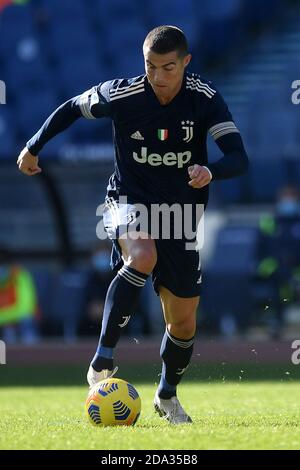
{"x":187,"y":59}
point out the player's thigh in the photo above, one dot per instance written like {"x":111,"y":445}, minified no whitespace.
{"x":139,"y":253}
{"x":131,"y":246}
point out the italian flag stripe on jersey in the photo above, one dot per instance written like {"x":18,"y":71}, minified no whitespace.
{"x":162,"y":134}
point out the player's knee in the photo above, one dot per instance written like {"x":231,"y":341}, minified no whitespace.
{"x":142,"y":258}
{"x":184,"y":329}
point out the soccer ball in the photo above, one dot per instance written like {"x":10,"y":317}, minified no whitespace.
{"x":113,"y":402}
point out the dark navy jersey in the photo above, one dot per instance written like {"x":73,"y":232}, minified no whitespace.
{"x":154,"y":143}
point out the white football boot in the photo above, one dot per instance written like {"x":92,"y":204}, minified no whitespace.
{"x":93,"y":377}
{"x":171,"y":410}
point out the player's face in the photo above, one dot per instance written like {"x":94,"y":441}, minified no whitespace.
{"x":165,"y":72}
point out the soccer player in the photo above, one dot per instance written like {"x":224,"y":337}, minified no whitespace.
{"x":160,"y":124}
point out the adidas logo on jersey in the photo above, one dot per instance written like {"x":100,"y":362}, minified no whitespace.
{"x":169,"y":159}
{"x":137,"y":135}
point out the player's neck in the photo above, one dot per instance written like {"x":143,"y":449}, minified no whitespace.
{"x":166,"y":99}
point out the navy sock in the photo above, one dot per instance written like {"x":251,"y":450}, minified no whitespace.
{"x":176,"y":355}
{"x":120,"y":302}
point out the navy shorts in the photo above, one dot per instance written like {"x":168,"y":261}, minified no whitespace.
{"x":178,"y":268}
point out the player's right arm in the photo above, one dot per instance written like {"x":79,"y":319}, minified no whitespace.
{"x":93,"y":103}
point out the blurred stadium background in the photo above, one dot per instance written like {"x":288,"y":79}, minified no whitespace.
{"x":51,"y":50}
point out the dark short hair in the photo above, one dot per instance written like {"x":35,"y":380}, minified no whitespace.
{"x":165,"y":39}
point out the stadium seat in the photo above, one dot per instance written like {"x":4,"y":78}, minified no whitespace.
{"x":234,"y":249}
{"x":44,"y":283}
{"x":75,"y":32}
{"x":181,"y":14}
{"x":33,"y":109}
{"x":14,"y":31}
{"x":27,"y":75}
{"x":64,"y":11}
{"x":14,"y":14}
{"x":257,"y":12}
{"x":67,"y":302}
{"x":131,"y":36}
{"x":265,"y":183}
{"x":79,"y":74}
{"x":221,"y":27}
{"x":7,"y":137}
{"x":60,"y":298}
{"x":109,"y":11}
{"x":129,"y":65}
{"x":228,"y":296}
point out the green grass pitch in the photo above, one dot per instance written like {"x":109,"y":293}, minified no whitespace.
{"x":231,"y":412}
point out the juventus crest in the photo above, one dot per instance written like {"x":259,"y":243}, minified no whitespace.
{"x":187,"y":126}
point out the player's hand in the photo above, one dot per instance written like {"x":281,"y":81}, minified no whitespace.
{"x":199,"y":175}
{"x":28,"y":163}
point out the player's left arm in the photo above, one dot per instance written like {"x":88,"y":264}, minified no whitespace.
{"x":227,"y":136}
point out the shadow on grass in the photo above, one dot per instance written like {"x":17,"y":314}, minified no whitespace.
{"x":62,"y":375}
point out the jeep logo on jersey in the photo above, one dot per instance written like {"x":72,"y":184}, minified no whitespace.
{"x":168,"y":159}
